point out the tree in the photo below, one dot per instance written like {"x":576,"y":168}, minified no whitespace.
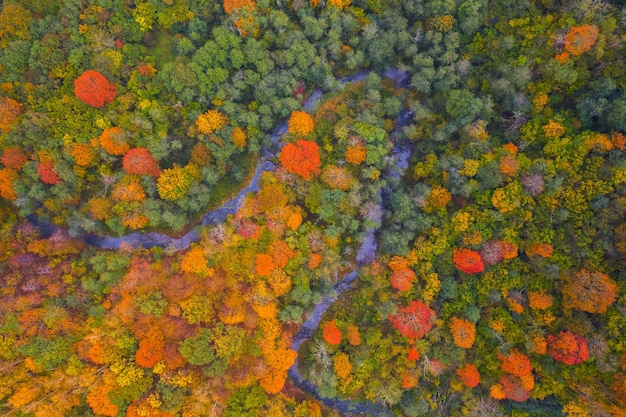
{"x":301,"y":158}
{"x":337,"y":177}
{"x":211,"y":121}
{"x":7,"y":178}
{"x":9,"y":111}
{"x":331,"y":333}
{"x":195,"y":262}
{"x":580,"y":39}
{"x":129,"y":189}
{"x":238,"y":136}
{"x":300,"y":123}
{"x":14,"y":23}
{"x":540,"y":300}
{"x":342,"y":365}
{"x":150,"y":350}
{"x":515,"y":363}
{"x":468,"y":261}
{"x":232,"y":6}
{"x":468,"y":375}
{"x":513,"y":390}
{"x":114,"y":141}
{"x":356,"y":154}
{"x":544,"y":250}
{"x":198,"y":350}
{"x":141,"y":162}
{"x":264,"y":264}
{"x":492,"y":252}
{"x":99,"y":401}
{"x":592,"y":292}
{"x":414,"y":320}
{"x":568,"y":348}
{"x":463,"y":332}
{"x":83,"y":154}
{"x":402,"y":277}
{"x":94,"y":89}
{"x":174,"y":183}
{"x":45,"y":170}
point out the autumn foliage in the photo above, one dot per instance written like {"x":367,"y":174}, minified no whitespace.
{"x":301,"y":158}
{"x":300,"y":123}
{"x":14,"y":157}
{"x":568,"y":348}
{"x":468,"y":261}
{"x":592,"y":292}
{"x":211,"y":121}
{"x":580,"y":39}
{"x":45,"y":170}
{"x":83,"y":154}
{"x":331,"y":333}
{"x":174,"y":183}
{"x":414,"y":320}
{"x":7,"y":178}
{"x":9,"y":112}
{"x":463,"y":332}
{"x":468,"y":375}
{"x":114,"y":141}
{"x":231,"y":6}
{"x":94,"y":89}
{"x":141,"y":162}
{"x":515,"y":363}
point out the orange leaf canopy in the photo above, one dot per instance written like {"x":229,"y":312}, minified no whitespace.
{"x":94,"y":89}
{"x":468,"y":261}
{"x":301,"y":158}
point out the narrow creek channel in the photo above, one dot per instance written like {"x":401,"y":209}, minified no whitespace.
{"x":399,"y":162}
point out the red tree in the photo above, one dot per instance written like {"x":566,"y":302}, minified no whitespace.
{"x":468,"y":261}
{"x":302,"y":158}
{"x":141,"y":162}
{"x":414,"y":320}
{"x":94,"y":89}
{"x":568,"y":348}
{"x":45,"y":170}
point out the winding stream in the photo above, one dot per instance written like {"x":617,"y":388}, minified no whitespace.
{"x":399,"y":162}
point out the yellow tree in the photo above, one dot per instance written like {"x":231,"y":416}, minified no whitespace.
{"x":211,"y":121}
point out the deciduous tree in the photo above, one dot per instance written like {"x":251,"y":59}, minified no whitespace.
{"x":94,"y":89}
{"x":211,"y":121}
{"x":174,"y":183}
{"x":568,"y":348}
{"x":7,"y":178}
{"x":300,"y":123}
{"x":9,"y":111}
{"x":592,"y":292}
{"x":331,"y":333}
{"x":580,"y":39}
{"x":302,"y":158}
{"x":463,"y":332}
{"x":468,"y":375}
{"x":468,"y":261}
{"x":515,"y":363}
{"x":114,"y":141}
{"x":141,"y":162}
{"x":414,"y":320}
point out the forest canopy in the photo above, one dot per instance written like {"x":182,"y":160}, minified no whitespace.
{"x":312,"y":208}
